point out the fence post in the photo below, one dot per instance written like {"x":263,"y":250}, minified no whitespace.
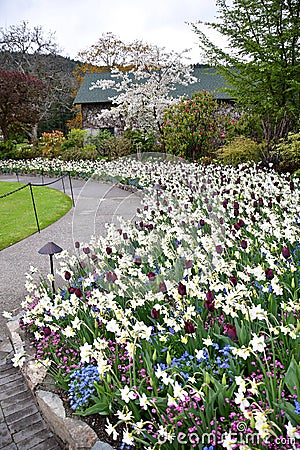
{"x":34,"y":208}
{"x":71,"y":187}
{"x":63,"y":181}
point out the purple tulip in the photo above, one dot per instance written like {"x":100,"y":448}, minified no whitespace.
{"x":162,"y":287}
{"x":151,"y":276}
{"x":189,"y":327}
{"x":182,"y":289}
{"x":209,"y":296}
{"x":269,"y":274}
{"x":67,"y":275}
{"x":230,"y":331}
{"x":78,"y":292}
{"x":286,"y":252}
{"x":111,"y":276}
{"x":155,"y":314}
{"x":233,"y":280}
{"x":46,"y":331}
{"x":244,"y":244}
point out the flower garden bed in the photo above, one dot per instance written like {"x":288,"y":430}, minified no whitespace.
{"x":183,"y":326}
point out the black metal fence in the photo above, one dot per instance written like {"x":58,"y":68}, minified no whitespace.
{"x":30,"y":185}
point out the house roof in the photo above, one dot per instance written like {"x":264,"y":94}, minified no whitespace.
{"x":209,"y":80}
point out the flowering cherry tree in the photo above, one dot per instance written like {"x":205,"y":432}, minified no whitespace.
{"x":144,"y":92}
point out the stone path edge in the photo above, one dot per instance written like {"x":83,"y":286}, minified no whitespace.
{"x":73,"y":433}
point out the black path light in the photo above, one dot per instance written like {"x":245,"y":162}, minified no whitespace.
{"x":157,"y":188}
{"x":50,"y":249}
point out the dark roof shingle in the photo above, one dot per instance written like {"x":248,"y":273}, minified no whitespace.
{"x":209,"y":80}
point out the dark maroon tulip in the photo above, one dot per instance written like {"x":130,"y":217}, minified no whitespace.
{"x":244,"y":244}
{"x":108,"y":250}
{"x":292,"y":186}
{"x":285,"y":252}
{"x":225,"y":203}
{"x":67,"y":275}
{"x":233,"y":280}
{"x":236,"y":205}
{"x":46,"y":331}
{"x":260,"y":202}
{"x":188,"y":264}
{"x":71,"y":290}
{"x":86,"y":250}
{"x":241,"y":223}
{"x":111,"y":276}
{"x":209,"y":296}
{"x":155,"y":314}
{"x":182,"y":289}
{"x":201,"y":222}
{"x":151,"y":276}
{"x":125,"y":236}
{"x":269,"y":274}
{"x":137,"y":260}
{"x":189,"y":327}
{"x":163,"y":287}
{"x":78,"y":292}
{"x":236,"y":226}
{"x":230,"y":331}
{"x":94,"y":258}
{"x":221,"y":221}
{"x":210,"y":306}
{"x":77,"y":244}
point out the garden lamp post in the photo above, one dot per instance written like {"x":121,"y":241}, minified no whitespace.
{"x":157,"y":188}
{"x":50,"y":249}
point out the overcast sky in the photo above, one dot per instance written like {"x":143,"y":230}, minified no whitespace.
{"x":79,"y":23}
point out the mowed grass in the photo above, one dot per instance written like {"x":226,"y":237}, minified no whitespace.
{"x":17,"y":219}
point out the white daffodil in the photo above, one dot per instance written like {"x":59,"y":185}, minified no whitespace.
{"x":127,"y":394}
{"x":292,"y":432}
{"x":257,"y":344}
{"x":110,"y":430}
{"x":86,"y":352}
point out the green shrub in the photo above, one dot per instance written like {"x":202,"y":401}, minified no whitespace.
{"x":75,"y":153}
{"x":288,"y":151}
{"x":76,"y":138}
{"x":140,"y":141}
{"x":26,"y":151}
{"x":121,"y":146}
{"x":7,"y":149}
{"x":193,"y":126}
{"x":240,"y":150}
{"x":102,"y":142}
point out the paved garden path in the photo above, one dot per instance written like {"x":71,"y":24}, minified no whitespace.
{"x":21,"y":426}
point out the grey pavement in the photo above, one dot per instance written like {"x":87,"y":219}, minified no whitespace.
{"x":21,"y":425}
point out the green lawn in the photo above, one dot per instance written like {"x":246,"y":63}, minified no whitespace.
{"x":17,"y":219}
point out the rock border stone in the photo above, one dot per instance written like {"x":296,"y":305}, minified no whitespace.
{"x":73,"y":433}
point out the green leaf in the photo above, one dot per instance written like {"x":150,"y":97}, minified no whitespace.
{"x":102,"y":408}
{"x":292,"y":378}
